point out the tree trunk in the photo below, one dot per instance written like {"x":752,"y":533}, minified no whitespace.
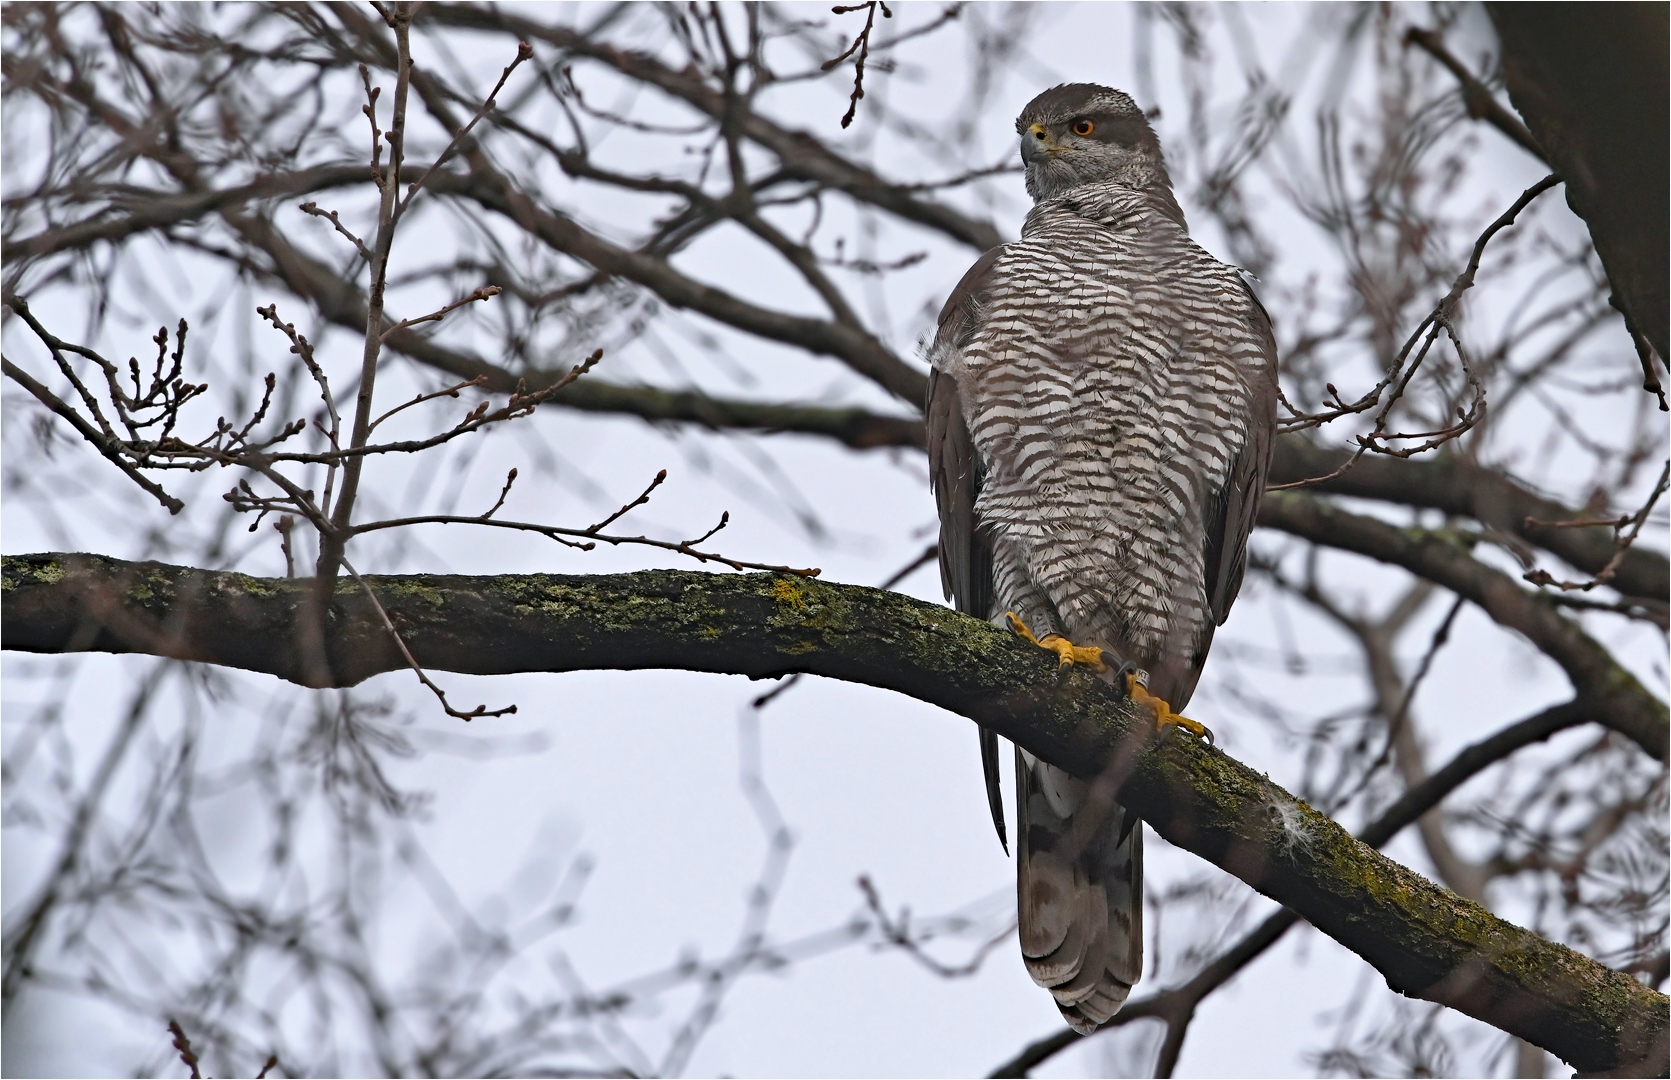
{"x":1590,"y":81}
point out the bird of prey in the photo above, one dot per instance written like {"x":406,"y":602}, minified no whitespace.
{"x":1100,"y":416}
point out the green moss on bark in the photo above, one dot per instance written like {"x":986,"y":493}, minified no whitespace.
{"x":1423,"y":938}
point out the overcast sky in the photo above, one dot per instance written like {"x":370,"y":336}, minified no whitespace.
{"x":638,"y":772}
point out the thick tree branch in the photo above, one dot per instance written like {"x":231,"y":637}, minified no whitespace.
{"x":1462,"y":489}
{"x":1443,"y":558}
{"x":857,"y":348}
{"x":1176,"y":1005}
{"x":133,"y":210}
{"x":1426,"y":941}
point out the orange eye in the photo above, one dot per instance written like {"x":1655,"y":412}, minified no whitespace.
{"x":1083,"y":127}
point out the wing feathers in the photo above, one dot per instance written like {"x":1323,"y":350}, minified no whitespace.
{"x":954,"y":472}
{"x":1228,"y":529}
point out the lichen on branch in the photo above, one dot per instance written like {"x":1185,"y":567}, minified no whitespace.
{"x":1426,"y":941}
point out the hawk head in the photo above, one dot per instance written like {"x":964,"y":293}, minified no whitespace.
{"x":1082,"y":133}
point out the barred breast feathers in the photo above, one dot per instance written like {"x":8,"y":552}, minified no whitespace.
{"x":1107,"y":367}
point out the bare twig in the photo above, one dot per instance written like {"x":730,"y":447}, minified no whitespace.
{"x":1625,"y":532}
{"x":486,"y":292}
{"x":524,"y":51}
{"x":90,"y":433}
{"x":448,"y":392}
{"x":644,"y":497}
{"x":586,"y":540}
{"x":312,"y":209}
{"x":417,"y":668}
{"x":1437,"y":319}
{"x":183,"y":1045}
{"x":898,"y":933}
{"x":861,"y":46}
{"x":1481,"y":103}
{"x":510,"y":478}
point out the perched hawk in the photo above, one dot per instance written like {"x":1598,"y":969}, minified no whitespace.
{"x":1099,"y":425}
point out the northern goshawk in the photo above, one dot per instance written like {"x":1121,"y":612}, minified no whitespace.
{"x":1100,"y":416}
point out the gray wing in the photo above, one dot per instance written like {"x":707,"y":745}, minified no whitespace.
{"x":954,"y":471}
{"x":1238,"y":506}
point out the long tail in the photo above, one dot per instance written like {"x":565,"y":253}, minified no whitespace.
{"x":1081,"y":910}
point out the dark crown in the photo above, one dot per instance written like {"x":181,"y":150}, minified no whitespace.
{"x":1062,"y":103}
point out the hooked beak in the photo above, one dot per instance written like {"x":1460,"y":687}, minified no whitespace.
{"x":1036,"y":142}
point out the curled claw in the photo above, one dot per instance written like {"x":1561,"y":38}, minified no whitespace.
{"x":1164,"y":716}
{"x":1067,"y":653}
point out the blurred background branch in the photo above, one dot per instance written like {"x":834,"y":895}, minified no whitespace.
{"x":673,"y":186}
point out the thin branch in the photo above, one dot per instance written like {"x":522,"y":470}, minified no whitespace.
{"x":446,"y":392}
{"x":90,"y":433}
{"x":510,"y":478}
{"x":417,"y":668}
{"x":1437,"y":319}
{"x":644,"y":497}
{"x":861,"y":46}
{"x":486,"y":292}
{"x":898,"y":933}
{"x":183,"y":1045}
{"x":524,"y":51}
{"x":312,"y":210}
{"x":1481,"y":103}
{"x":1623,"y":538}
{"x":587,"y":539}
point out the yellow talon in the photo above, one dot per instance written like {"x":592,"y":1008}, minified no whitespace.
{"x":1164,"y":716}
{"x":1066,"y":651}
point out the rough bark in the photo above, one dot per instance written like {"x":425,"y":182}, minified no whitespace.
{"x":1590,"y":81}
{"x":1176,"y":1005}
{"x":1426,"y":941}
